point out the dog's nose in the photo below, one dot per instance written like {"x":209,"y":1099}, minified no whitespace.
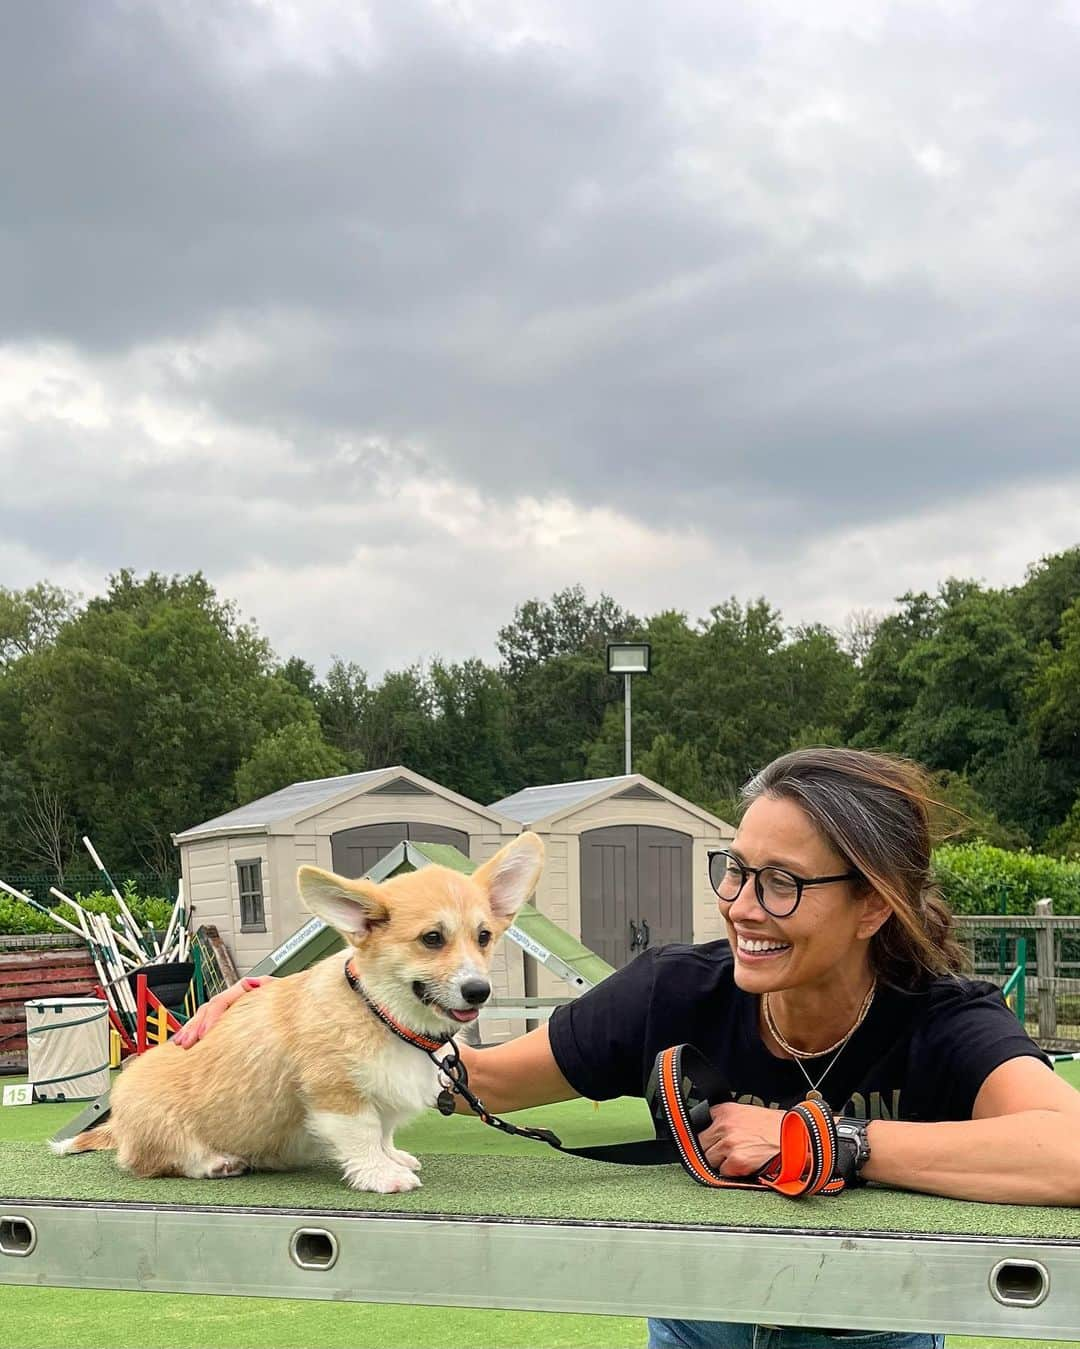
{"x":475,"y":991}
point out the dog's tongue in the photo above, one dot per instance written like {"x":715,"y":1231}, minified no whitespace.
{"x":469,"y":1014}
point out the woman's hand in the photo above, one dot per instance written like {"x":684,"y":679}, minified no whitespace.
{"x":741,"y":1138}
{"x":210,"y":1013}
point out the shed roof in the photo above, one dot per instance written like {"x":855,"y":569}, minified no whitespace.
{"x":537,"y":803}
{"x":542,"y":806}
{"x":282,"y":805}
{"x":290,"y":806}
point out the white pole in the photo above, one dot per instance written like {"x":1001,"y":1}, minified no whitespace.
{"x":112,"y":988}
{"x":95,"y":955}
{"x":126,"y":913}
{"x":626,"y":681}
{"x":18,"y":894}
{"x":185,"y":933}
{"x":136,"y":951}
{"x":124,"y":994}
{"x":177,"y":908}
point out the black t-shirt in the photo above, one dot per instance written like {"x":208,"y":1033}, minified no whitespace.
{"x":917,"y":1056}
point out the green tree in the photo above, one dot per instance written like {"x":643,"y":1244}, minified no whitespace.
{"x":737,"y":709}
{"x":1054,"y":691}
{"x":736,"y":690}
{"x":887,"y":688}
{"x":30,"y":619}
{"x":343,"y":700}
{"x":819,"y":681}
{"x":1053,"y":710}
{"x":962,"y":814}
{"x":301,"y":676}
{"x":470,"y":747}
{"x":141,"y":711}
{"x":1064,"y":839}
{"x":1052,"y":585}
{"x":969,"y":675}
{"x":553,"y":657}
{"x":293,"y":753}
{"x":567,"y":624}
{"x":675,"y":767}
{"x":397,"y":721}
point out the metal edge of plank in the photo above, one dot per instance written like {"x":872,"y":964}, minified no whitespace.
{"x":862,"y":1281}
{"x":97,"y":1112}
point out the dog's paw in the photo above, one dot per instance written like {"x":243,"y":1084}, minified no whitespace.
{"x":404,"y":1159}
{"x":387,"y":1179}
{"x":221,"y":1167}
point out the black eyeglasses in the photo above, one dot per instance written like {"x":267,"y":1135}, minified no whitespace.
{"x":778,"y":891}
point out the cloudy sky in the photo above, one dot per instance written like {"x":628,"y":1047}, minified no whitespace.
{"x":390,"y":316}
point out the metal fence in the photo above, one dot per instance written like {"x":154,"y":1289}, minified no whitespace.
{"x":38,"y":884}
{"x":1052,"y":979}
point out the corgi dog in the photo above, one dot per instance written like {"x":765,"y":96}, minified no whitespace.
{"x":304,"y":1069}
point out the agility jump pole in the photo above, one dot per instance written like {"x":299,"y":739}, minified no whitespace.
{"x":129,"y":919}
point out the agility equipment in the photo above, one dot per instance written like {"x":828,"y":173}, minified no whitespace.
{"x":497,"y":1226}
{"x":67,"y":1047}
{"x":154,"y":1023}
{"x":146,"y":941}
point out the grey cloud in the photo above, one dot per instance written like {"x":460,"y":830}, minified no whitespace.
{"x":519,"y":276}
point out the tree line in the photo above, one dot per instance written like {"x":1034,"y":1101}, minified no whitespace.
{"x":155,"y":706}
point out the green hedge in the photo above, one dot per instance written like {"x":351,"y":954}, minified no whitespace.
{"x":977,"y":878}
{"x":18,"y":919}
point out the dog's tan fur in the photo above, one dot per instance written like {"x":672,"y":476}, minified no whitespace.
{"x":301,"y":1068}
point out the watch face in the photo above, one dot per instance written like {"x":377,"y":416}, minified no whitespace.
{"x":855,"y":1132}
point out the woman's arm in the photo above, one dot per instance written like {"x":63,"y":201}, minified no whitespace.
{"x":211,"y":1012}
{"x":515,"y":1075}
{"x":1021,"y":1147}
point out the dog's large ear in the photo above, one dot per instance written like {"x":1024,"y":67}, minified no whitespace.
{"x":352,"y":907}
{"x":510,"y":876}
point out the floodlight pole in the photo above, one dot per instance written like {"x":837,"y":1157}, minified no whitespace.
{"x":626,"y":683}
{"x":628,"y":659}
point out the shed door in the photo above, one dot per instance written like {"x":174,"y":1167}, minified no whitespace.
{"x":355,"y":851}
{"x":665,"y":885}
{"x":609,"y":875}
{"x":635,"y":877}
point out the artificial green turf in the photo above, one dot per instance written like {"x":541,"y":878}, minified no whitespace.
{"x":469,"y":1169}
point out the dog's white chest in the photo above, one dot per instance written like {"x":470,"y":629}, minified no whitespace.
{"x":400,"y":1079}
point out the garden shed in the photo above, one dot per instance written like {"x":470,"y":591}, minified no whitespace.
{"x":239,"y":869}
{"x":626,"y":864}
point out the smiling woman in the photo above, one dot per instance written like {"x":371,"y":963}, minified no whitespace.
{"x":839,"y":979}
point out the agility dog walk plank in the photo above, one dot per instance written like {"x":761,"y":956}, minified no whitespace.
{"x":527,"y":1229}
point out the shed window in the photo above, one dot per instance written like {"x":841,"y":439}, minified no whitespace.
{"x":252,"y":912}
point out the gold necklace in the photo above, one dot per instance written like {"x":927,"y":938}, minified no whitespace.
{"x":814,"y":1094}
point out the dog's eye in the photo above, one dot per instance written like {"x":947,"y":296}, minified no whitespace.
{"x":433,"y":940}
{"x":483,"y":937}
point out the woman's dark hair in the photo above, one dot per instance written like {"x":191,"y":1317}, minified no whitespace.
{"x":875,"y":811}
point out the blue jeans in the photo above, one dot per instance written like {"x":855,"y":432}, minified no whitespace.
{"x":731,"y":1335}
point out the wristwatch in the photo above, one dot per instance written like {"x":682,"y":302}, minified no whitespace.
{"x":854,"y":1149}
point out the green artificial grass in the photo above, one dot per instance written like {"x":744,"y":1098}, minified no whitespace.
{"x":473,"y":1170}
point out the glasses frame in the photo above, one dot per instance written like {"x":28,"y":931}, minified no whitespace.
{"x":801,"y":882}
